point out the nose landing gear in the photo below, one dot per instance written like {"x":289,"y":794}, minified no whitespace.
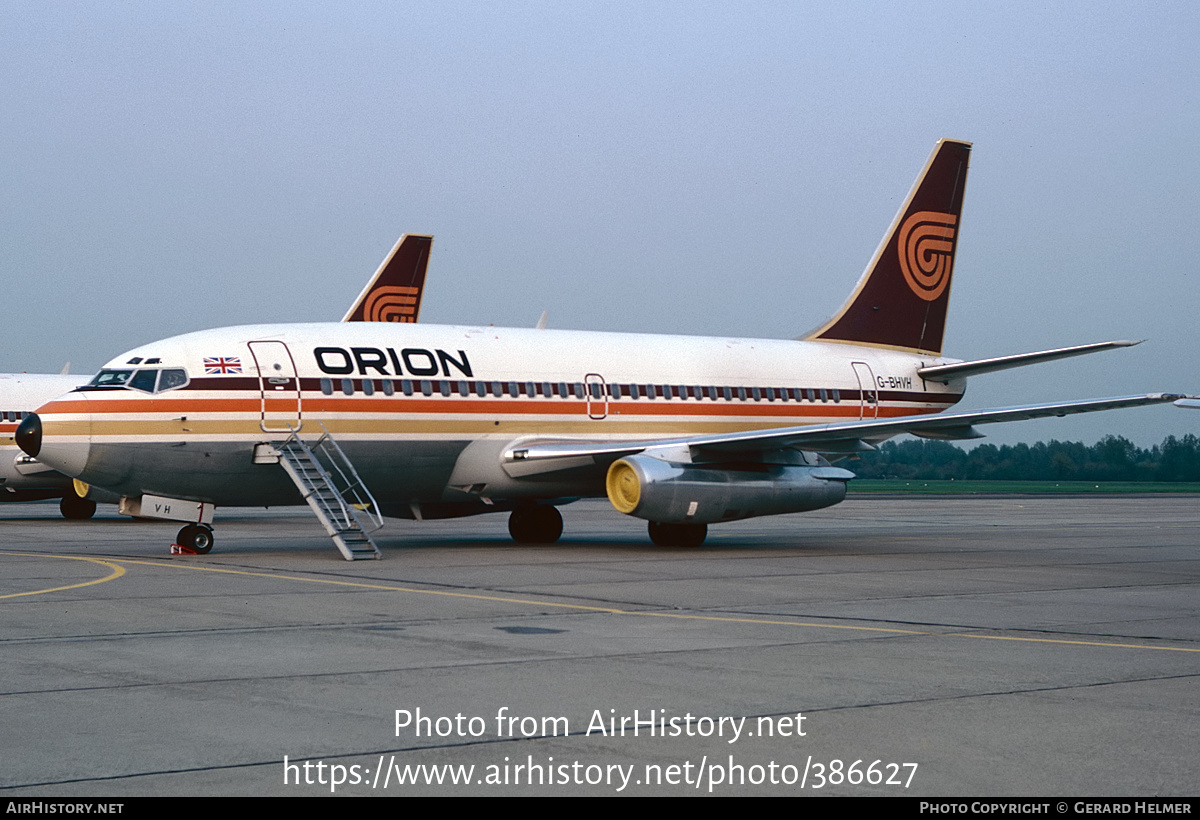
{"x":194,"y":539}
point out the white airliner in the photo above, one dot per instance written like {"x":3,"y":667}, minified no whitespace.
{"x":451,"y":421}
{"x":393,"y":294}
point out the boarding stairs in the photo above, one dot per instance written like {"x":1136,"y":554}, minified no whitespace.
{"x":331,"y":487}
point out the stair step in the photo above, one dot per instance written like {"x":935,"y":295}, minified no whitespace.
{"x":331,"y":506}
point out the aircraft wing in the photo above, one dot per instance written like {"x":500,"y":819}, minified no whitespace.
{"x":533,"y":457}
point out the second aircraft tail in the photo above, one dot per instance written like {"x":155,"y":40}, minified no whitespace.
{"x":394,"y":292}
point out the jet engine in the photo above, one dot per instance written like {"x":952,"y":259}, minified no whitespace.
{"x":707,"y":493}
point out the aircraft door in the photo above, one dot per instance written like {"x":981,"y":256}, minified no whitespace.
{"x":279,"y":387}
{"x":597,"y":395}
{"x":867,"y":390}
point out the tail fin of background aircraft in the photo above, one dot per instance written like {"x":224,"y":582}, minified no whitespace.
{"x":901,"y":299}
{"x":394,"y":292}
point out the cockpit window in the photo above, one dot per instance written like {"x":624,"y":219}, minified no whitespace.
{"x":171,"y":379}
{"x":111,"y":378}
{"x":148,"y":380}
{"x":144,"y":380}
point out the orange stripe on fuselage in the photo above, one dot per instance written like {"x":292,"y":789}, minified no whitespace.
{"x":321,"y":403}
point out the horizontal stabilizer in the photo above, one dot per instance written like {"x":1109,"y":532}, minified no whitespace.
{"x":960,"y":370}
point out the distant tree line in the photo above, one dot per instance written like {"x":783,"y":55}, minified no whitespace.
{"x":1113,"y":458}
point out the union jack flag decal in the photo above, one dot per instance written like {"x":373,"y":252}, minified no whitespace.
{"x":222,"y":364}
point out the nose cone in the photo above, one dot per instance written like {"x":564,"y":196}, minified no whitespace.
{"x":29,"y":435}
{"x":58,"y":435}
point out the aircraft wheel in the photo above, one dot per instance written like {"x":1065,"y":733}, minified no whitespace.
{"x":691,"y":535}
{"x":74,"y":508}
{"x":678,"y":535}
{"x":196,"y":537}
{"x":539,"y":524}
{"x":661,"y":534}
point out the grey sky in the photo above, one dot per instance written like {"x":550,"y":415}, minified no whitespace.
{"x":687,"y":168}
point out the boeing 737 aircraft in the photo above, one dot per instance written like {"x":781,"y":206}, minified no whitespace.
{"x":434,"y":422}
{"x":393,"y":294}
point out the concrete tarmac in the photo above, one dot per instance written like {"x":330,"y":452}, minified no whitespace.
{"x":906,"y":646}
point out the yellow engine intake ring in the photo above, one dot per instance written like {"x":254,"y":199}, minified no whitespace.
{"x":624,"y":488}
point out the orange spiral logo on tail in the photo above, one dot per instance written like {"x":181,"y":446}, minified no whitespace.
{"x":926,"y":250}
{"x":391,"y":304}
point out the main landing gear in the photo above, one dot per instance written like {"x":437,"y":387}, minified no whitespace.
{"x":195,"y":539}
{"x":535,"y":524}
{"x":74,"y":508}
{"x":678,"y":535}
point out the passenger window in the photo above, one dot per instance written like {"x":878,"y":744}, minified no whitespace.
{"x":327,"y":387}
{"x":389,"y":387}
{"x":368,"y":387}
{"x":348,"y":387}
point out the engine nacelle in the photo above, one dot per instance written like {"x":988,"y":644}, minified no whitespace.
{"x":669,"y":493}
{"x":84,"y":490}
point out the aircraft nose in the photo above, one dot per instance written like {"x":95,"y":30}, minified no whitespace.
{"x":29,"y":435}
{"x":58,"y":435}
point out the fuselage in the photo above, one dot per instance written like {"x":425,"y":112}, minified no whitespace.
{"x":423,"y":411}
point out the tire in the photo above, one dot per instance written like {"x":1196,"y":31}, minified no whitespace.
{"x":690,"y":536}
{"x":678,"y":535}
{"x":539,"y":524}
{"x":661,"y":534}
{"x":74,"y":508}
{"x":196,"y":537}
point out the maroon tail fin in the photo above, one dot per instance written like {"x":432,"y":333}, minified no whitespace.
{"x":902,"y":297}
{"x":394,"y":292}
